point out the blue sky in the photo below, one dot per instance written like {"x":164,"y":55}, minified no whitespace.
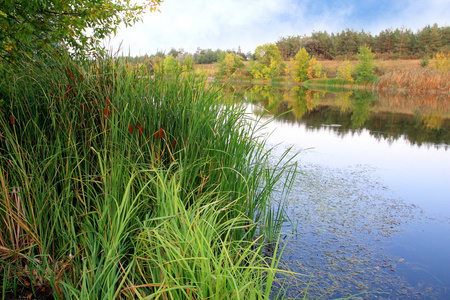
{"x":228,"y":24}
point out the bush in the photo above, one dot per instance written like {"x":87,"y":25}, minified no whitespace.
{"x":346,"y":71}
{"x":425,"y":61}
{"x":229,"y":64}
{"x":441,"y":61}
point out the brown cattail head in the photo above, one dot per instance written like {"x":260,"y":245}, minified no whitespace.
{"x":105,"y":112}
{"x":174,"y":143}
{"x":161,"y":132}
{"x":68,"y":89}
{"x":11,"y":119}
{"x":69,"y":72}
{"x":137,"y":124}
{"x":141,"y":130}
{"x":130,"y":129}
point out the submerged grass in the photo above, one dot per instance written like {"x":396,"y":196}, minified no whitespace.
{"x":115,"y":184}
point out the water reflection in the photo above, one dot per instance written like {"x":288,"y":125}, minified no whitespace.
{"x":372,"y":212}
{"x":390,"y":116}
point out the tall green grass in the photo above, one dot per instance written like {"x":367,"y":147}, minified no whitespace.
{"x":117,"y":183}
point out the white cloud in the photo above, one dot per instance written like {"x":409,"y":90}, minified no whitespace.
{"x":207,"y":24}
{"x":227,"y":24}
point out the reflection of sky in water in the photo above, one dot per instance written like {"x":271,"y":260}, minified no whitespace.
{"x":406,"y":185}
{"x":420,"y":175}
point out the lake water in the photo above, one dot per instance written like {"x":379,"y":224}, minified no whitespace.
{"x":370,"y":216}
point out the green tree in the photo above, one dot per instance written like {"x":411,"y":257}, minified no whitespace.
{"x":269,"y":60}
{"x":364,"y":69}
{"x":28,"y":26}
{"x":301,"y":65}
{"x":288,"y":46}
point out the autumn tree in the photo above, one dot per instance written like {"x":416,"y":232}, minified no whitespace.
{"x":346,"y":71}
{"x":230,"y":64}
{"x":268,"y":61}
{"x":28,"y":26}
{"x":441,"y":62}
{"x":301,"y":65}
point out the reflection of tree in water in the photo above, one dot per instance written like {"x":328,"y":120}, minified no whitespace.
{"x":432,"y":121}
{"x":343,"y":101}
{"x":417,"y":117}
{"x":298,"y":102}
{"x":361,"y":108}
{"x":270,"y":97}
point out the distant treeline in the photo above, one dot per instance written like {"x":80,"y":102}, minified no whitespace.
{"x":388,"y":44}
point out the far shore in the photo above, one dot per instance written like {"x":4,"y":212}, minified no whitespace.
{"x":330,"y":67}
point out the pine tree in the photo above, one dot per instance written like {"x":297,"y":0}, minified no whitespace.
{"x":364,"y":69}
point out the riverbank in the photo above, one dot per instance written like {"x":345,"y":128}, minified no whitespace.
{"x":392,"y":75}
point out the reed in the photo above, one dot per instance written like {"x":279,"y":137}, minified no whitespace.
{"x":416,"y":80}
{"x":115,"y":184}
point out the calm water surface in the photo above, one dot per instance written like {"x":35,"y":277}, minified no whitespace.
{"x":370,"y":217}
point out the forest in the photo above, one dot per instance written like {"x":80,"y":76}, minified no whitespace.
{"x":388,"y":44}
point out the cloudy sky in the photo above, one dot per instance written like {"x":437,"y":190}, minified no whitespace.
{"x":228,"y":24}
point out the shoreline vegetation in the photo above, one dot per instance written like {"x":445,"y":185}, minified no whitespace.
{"x":390,"y":60}
{"x":392,"y":75}
{"x":115,"y":185}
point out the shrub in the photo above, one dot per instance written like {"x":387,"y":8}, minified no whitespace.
{"x":346,"y":71}
{"x":441,"y":61}
{"x":229,"y":64}
{"x":425,"y":61}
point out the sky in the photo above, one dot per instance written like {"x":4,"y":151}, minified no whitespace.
{"x":230,"y":24}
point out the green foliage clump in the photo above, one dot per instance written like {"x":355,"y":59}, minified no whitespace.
{"x":365,"y":69}
{"x":171,"y":65}
{"x":31,"y":26}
